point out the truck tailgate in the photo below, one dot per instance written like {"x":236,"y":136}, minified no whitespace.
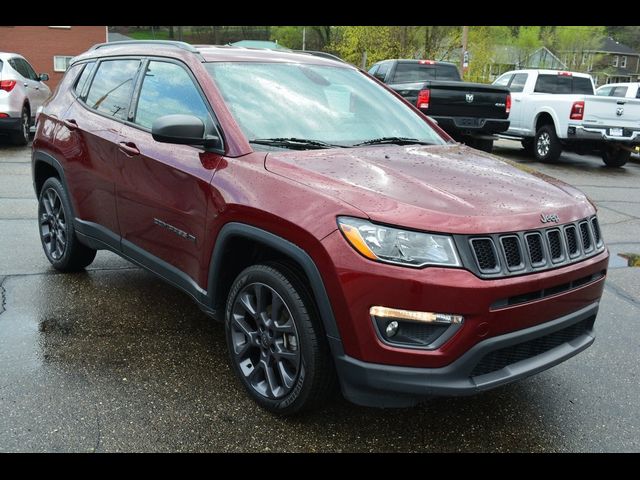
{"x":612,"y":112}
{"x":462,"y":99}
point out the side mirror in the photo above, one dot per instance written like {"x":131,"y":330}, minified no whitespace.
{"x":184,"y":130}
{"x":43,"y":77}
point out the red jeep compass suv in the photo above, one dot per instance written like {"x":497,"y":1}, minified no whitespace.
{"x":340,"y":235}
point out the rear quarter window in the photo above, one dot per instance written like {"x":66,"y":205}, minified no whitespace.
{"x":87,"y":70}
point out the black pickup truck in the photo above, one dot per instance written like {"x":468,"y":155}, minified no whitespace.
{"x":470,"y":112}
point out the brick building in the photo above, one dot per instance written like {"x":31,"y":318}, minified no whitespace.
{"x":49,"y":49}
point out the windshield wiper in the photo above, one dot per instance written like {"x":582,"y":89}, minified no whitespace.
{"x":393,"y":141}
{"x":295,"y":143}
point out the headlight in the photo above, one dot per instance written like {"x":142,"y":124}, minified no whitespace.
{"x":393,"y":245}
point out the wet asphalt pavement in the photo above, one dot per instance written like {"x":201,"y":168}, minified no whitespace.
{"x":115,"y":360}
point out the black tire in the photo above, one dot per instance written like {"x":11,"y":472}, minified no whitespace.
{"x":615,"y":157}
{"x":21,"y":136}
{"x":527,"y":145}
{"x":57,"y":234}
{"x":485,"y":145}
{"x":284,"y":365}
{"x":546,"y":146}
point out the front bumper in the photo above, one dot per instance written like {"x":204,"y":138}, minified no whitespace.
{"x":601,"y":133}
{"x":380,"y":385}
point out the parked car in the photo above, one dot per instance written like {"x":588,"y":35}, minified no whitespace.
{"x":470,"y":112}
{"x":338,"y":233}
{"x":554,"y":111}
{"x":22,"y":92}
{"x":623,"y":90}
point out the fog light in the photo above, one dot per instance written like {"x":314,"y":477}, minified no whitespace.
{"x":392,"y":329}
{"x":413,"y":316}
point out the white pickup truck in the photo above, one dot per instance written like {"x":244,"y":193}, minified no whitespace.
{"x":553,"y":110}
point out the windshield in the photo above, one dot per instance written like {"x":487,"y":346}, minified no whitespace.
{"x":337,"y":106}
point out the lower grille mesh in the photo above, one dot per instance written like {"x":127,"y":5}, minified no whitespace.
{"x":499,"y":359}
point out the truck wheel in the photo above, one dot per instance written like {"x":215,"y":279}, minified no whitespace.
{"x":484,"y":145}
{"x":57,"y":234}
{"x":615,"y":157}
{"x":547,"y":147}
{"x":21,"y":136}
{"x":276,"y":343}
{"x":527,"y":144}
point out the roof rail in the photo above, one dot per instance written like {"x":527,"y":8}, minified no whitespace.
{"x":168,"y":43}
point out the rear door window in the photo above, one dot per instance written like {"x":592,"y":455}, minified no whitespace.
{"x":31,"y":73}
{"x":18,"y":66}
{"x":110,"y":90}
{"x":168,"y":89}
{"x":619,"y":91}
{"x":517,"y":82}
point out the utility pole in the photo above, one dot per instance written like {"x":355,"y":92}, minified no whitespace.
{"x":464,"y":60}
{"x":304,"y":38}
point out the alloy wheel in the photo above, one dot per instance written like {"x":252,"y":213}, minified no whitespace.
{"x":53,"y":224}
{"x":543,"y":145}
{"x":265,"y":341}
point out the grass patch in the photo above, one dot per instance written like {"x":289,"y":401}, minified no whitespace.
{"x":149,"y":35}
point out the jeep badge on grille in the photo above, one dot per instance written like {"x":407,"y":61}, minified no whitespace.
{"x":549,"y":217}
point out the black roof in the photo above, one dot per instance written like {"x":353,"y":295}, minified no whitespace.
{"x":610,"y":45}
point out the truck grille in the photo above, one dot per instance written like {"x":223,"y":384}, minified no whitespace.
{"x":498,"y":359}
{"x":532,"y":251}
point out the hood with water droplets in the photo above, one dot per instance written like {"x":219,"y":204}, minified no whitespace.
{"x":451,"y":188}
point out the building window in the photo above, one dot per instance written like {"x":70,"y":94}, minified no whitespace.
{"x":615,"y":61}
{"x":61,"y":63}
{"x":623,"y":62}
{"x":585,"y":58}
{"x":60,"y":27}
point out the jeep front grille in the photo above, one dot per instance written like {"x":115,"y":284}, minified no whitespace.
{"x":516,"y":253}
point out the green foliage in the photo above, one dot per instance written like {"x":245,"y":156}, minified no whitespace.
{"x":290,"y":37}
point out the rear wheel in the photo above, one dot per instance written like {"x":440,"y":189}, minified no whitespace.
{"x":615,"y":157}
{"x":57,"y":234}
{"x":21,"y":136}
{"x":276,"y":344}
{"x":547,"y":147}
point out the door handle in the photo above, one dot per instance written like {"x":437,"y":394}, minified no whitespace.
{"x":129,"y":148}
{"x":518,"y":100}
{"x":25,"y":84}
{"x":71,"y":124}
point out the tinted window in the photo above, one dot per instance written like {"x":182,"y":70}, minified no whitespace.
{"x":418,"y":72}
{"x":518,"y":81}
{"x":383,"y":68}
{"x":84,"y":77}
{"x":19,"y":67}
{"x":503,"y":81}
{"x":31,"y":73}
{"x":582,"y":86}
{"x":373,"y":70}
{"x":110,"y":91}
{"x":638,"y":93}
{"x":167,"y":89}
{"x":559,"y":84}
{"x":604,"y":91}
{"x":619,"y":92}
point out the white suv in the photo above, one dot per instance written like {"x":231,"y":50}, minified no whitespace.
{"x":22,"y":92}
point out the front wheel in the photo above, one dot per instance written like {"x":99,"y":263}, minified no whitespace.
{"x":546,"y":146}
{"x":276,"y":344}
{"x":615,"y":157}
{"x":57,"y":233}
